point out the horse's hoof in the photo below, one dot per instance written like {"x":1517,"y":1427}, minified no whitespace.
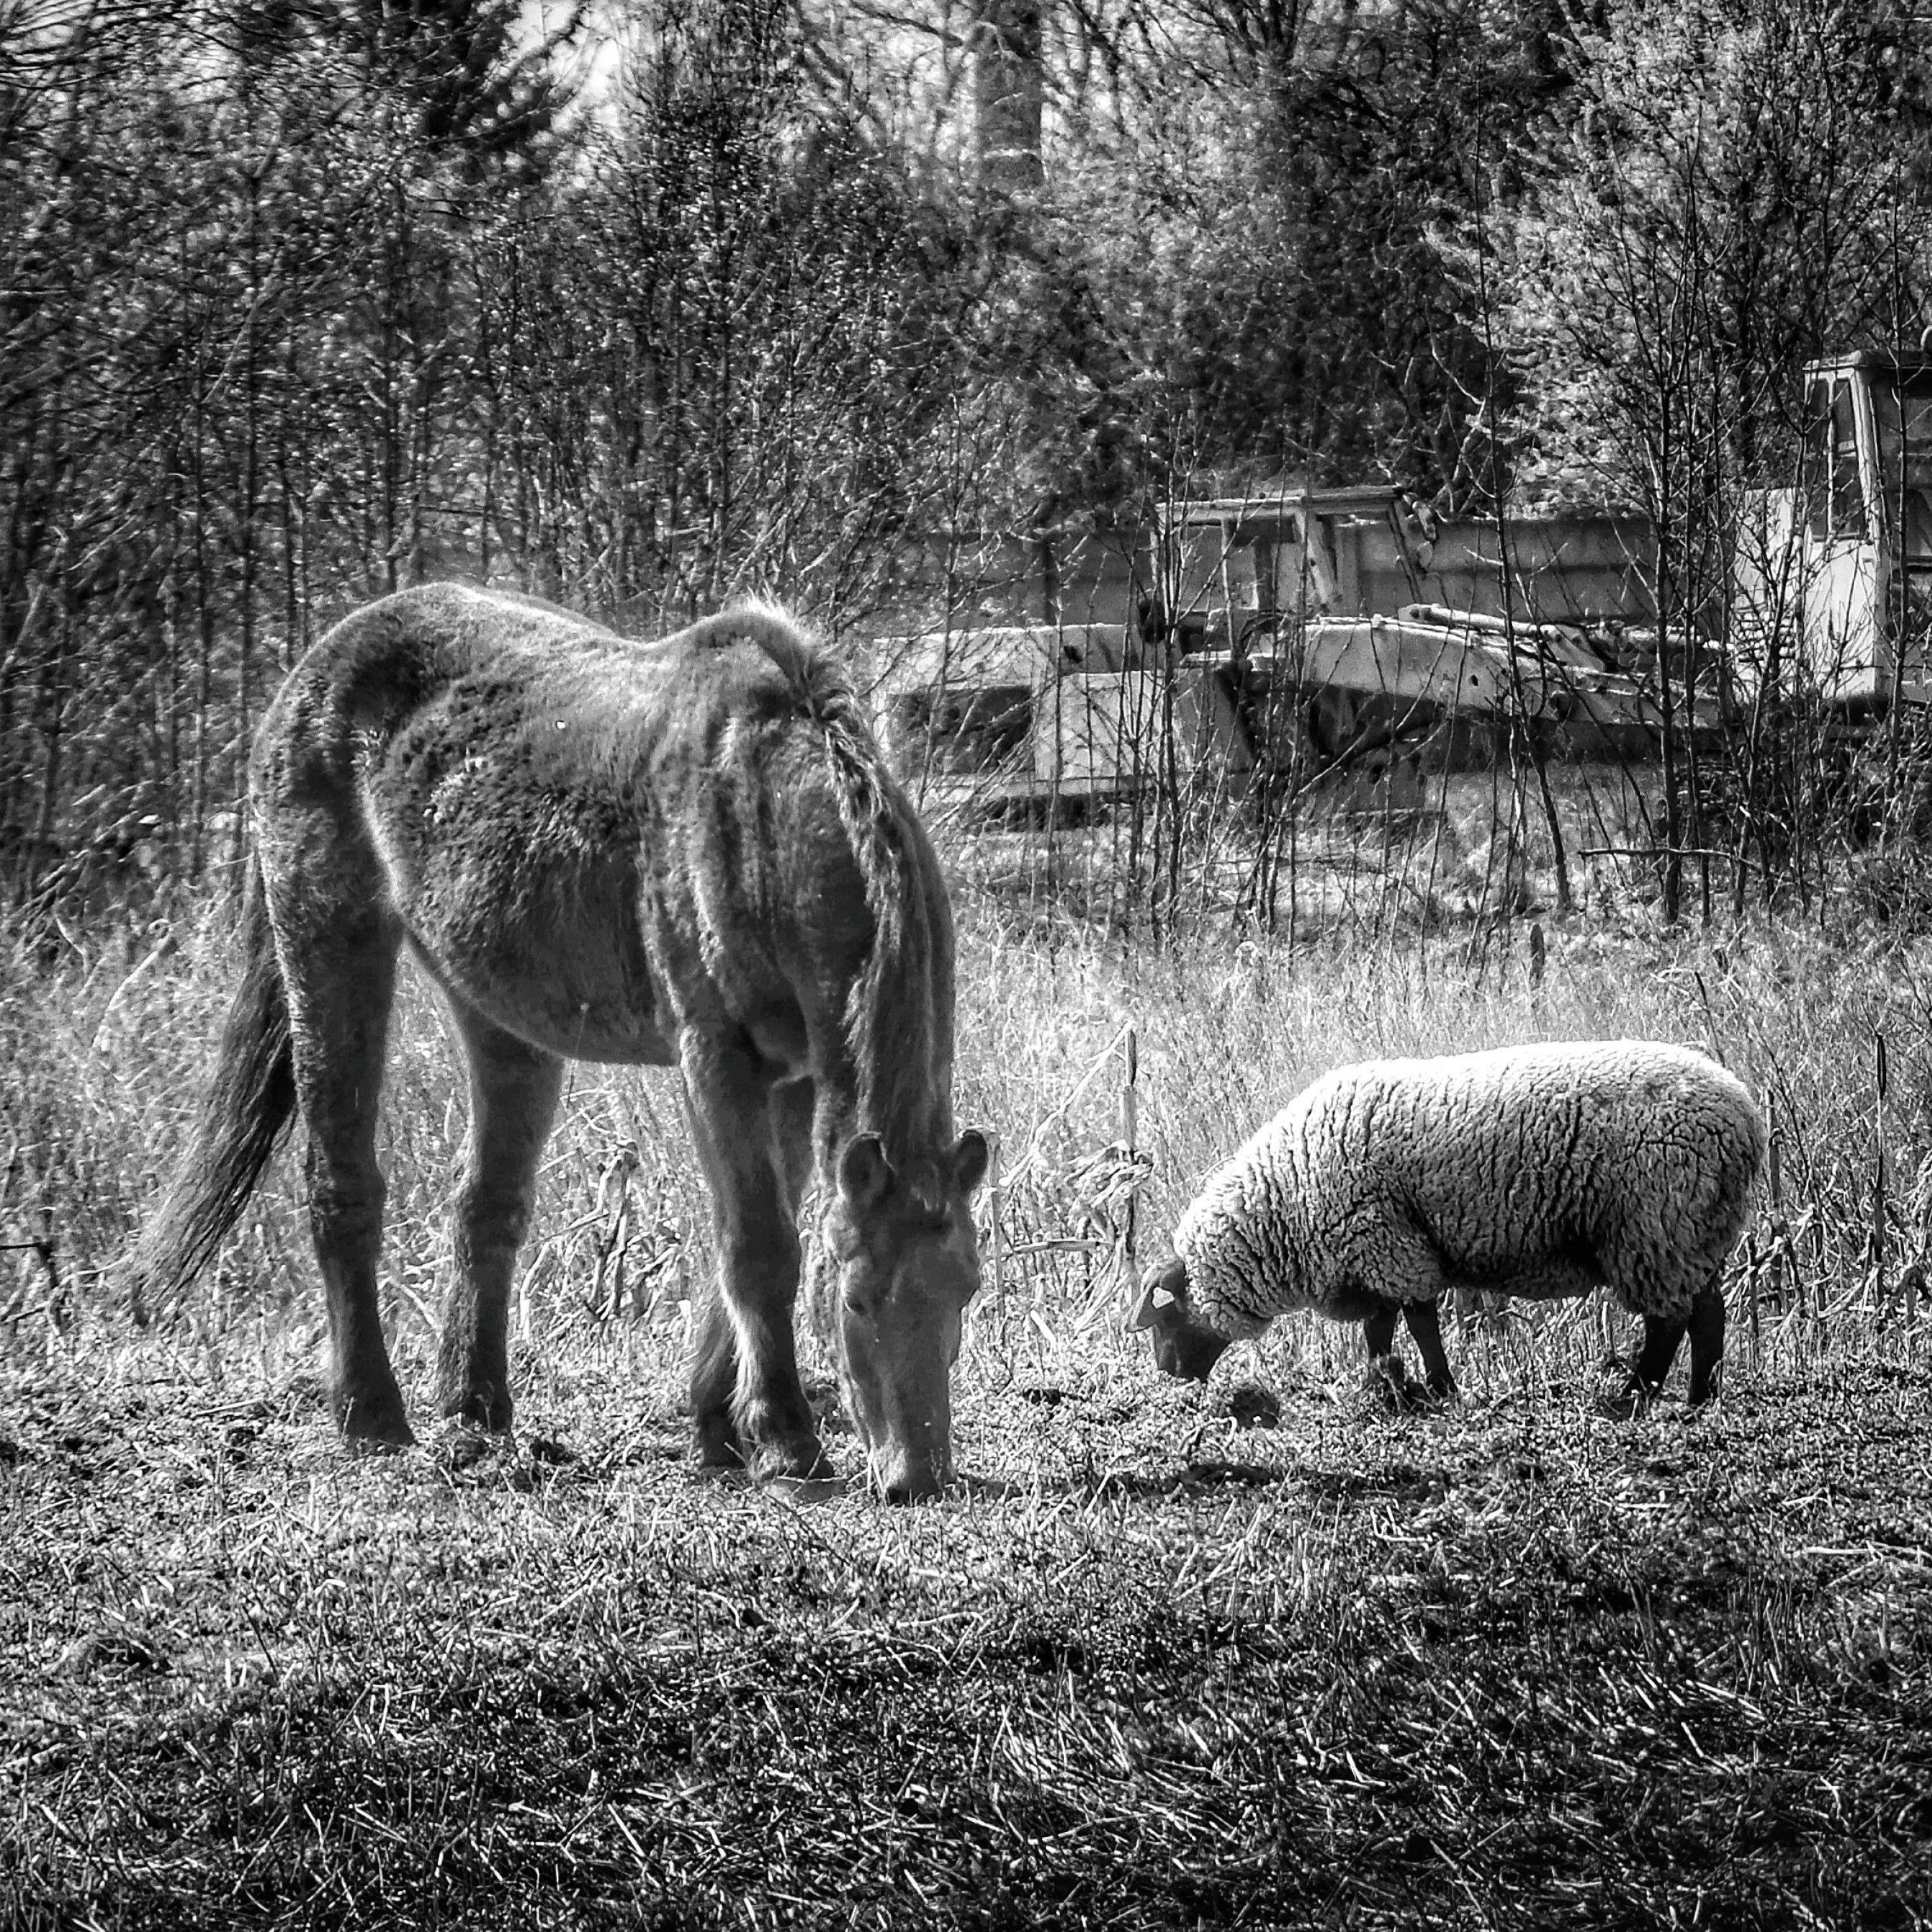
{"x":714,"y":1448}
{"x":373,"y":1426}
{"x":718,"y":1446}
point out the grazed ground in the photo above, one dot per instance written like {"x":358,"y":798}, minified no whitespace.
{"x":1515,"y":1664}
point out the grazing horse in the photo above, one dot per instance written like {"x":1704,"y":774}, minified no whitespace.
{"x":687,"y":854}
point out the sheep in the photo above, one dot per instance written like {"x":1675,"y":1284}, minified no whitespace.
{"x":1538,"y":1170}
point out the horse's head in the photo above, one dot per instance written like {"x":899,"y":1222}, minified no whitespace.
{"x":908,"y":1263}
{"x":1183,"y":1345}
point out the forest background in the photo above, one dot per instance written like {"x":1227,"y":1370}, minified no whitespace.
{"x":640,"y":306}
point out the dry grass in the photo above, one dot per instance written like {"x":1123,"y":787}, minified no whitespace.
{"x":1514,"y":1664}
{"x":1511,"y":1666}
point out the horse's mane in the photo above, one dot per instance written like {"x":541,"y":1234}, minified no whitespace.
{"x":899,"y":1016}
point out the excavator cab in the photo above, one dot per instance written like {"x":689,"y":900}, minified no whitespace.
{"x":1865,"y":506}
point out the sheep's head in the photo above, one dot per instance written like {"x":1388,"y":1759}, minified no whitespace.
{"x":1183,"y":1345}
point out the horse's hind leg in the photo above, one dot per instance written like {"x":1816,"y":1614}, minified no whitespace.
{"x":748,"y":1404}
{"x":513,"y":1095}
{"x":339,"y":963}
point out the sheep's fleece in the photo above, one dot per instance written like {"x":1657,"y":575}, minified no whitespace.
{"x":1534,"y":1170}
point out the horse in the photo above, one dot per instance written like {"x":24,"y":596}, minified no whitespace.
{"x":688,"y":852}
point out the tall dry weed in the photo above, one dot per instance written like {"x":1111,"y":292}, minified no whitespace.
{"x":107,"y":1037}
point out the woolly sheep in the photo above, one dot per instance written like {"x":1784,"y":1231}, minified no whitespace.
{"x":1534,"y":1171}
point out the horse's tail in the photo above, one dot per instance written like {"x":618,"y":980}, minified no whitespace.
{"x":248,"y":1105}
{"x":810,"y":673}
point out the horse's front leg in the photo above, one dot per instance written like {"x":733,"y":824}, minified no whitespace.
{"x":748,"y":1404}
{"x":513,"y":1095}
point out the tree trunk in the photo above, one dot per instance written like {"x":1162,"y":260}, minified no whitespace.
{"x":1009,"y":90}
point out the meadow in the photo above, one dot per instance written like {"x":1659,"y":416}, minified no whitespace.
{"x":1260,"y":1654}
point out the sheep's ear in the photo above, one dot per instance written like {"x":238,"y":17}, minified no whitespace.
{"x":1163,"y":1291}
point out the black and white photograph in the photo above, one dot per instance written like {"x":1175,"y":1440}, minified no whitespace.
{"x":965,"y":963}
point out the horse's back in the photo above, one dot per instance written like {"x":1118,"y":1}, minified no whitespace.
{"x":443,"y":670}
{"x":401,"y":647}
{"x":574,"y":828}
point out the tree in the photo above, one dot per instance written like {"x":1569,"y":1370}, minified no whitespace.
{"x":1740,"y":189}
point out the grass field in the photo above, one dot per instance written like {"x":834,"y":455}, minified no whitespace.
{"x":1164,"y":1658}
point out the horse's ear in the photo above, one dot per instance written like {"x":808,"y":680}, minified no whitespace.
{"x":864,"y":1172}
{"x":1164,"y":1289}
{"x":971,"y":1157}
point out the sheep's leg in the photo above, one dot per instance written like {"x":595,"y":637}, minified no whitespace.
{"x":1387,"y":1376}
{"x":1427,"y":1328}
{"x":1405,"y":1281}
{"x":1707,"y":1342}
{"x":1661,"y":1339}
